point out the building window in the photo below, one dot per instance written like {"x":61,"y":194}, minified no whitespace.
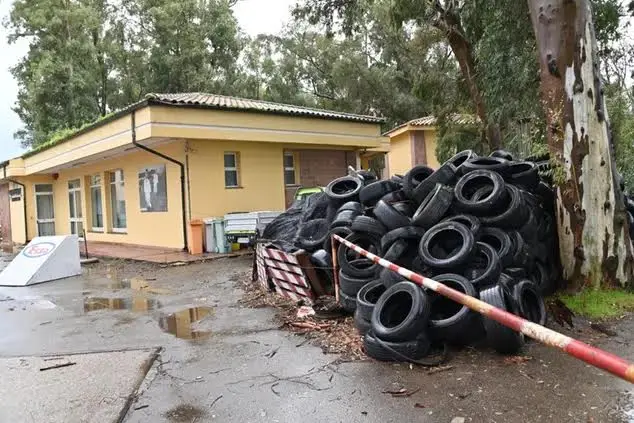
{"x":289,"y":169}
{"x":117,"y":201}
{"x":44,"y":209}
{"x":231,"y":170}
{"x":96,"y":204}
{"x":75,"y":206}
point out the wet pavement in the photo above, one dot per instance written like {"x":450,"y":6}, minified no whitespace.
{"x":222,"y":362}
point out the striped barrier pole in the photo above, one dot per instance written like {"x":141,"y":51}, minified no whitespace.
{"x":591,"y":355}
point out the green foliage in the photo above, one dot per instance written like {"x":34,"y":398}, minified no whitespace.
{"x":600,"y":303}
{"x":622,"y":128}
{"x":89,"y":57}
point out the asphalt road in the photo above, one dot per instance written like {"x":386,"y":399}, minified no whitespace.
{"x":233,"y":364}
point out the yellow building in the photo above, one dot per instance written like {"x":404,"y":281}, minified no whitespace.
{"x":412,"y":143}
{"x":142,"y":174}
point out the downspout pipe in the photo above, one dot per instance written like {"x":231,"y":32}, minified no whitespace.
{"x":26,"y":230}
{"x":172,"y":160}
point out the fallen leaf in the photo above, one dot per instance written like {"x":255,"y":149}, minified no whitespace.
{"x":419,"y":405}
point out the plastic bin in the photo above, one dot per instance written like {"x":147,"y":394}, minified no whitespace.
{"x":196,"y":237}
{"x":210,"y":237}
{"x":219,"y":232}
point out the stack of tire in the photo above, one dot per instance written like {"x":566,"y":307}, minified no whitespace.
{"x":482,"y":225}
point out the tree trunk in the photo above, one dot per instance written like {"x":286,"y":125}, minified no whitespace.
{"x":463,"y":51}
{"x":594,"y":241}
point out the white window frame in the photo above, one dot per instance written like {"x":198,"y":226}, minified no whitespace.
{"x":92,"y":206}
{"x":38,"y":220}
{"x":78,"y":211}
{"x":113,"y":212}
{"x":288,"y":169}
{"x":236,"y":158}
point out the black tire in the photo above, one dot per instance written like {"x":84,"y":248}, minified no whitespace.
{"x":451,"y":236}
{"x":414,"y":177}
{"x":312,"y":234}
{"x":543,"y":280}
{"x":406,"y":208}
{"x":352,"y":206}
{"x":342,"y":231}
{"x":530,"y":228}
{"x":408,"y":233}
{"x":353,"y":268}
{"x":407,"y":351}
{"x":344,"y":218}
{"x":445,"y":175}
{"x":502,"y":243}
{"x":394,"y":196}
{"x":361,"y":269}
{"x":458,"y":160}
{"x":530,"y":302}
{"x":480,"y":192}
{"x":451,"y":321}
{"x":521,"y":257}
{"x":514,"y":214}
{"x":343,"y":189}
{"x":503,"y":154}
{"x":368,"y":225}
{"x":367,"y":176}
{"x":502,"y":339}
{"x":495,"y":164}
{"x":434,"y":207}
{"x":486,"y":265}
{"x":350,"y":285}
{"x":390,"y":278}
{"x":367,"y":298}
{"x":396,"y":251}
{"x":401,"y":313}
{"x":363,"y":326}
{"x":516,"y":272}
{"x":347,"y":302}
{"x":373,"y":192}
{"x":507,"y":281}
{"x":471,"y":222}
{"x":523,"y":174}
{"x":397,"y":179}
{"x":389,"y":216}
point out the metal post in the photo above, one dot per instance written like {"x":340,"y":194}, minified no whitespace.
{"x":334,"y":243}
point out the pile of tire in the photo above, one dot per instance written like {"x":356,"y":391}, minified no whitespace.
{"x":482,"y":225}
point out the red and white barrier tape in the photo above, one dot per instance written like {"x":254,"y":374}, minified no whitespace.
{"x":591,"y":355}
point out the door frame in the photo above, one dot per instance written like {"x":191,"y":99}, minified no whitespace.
{"x":37,"y":219}
{"x":77,"y":211}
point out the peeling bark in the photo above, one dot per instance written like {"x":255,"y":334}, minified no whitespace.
{"x":595,"y":247}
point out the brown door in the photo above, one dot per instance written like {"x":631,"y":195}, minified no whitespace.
{"x":5,"y":215}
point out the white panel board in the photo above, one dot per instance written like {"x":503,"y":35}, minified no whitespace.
{"x":44,"y":259}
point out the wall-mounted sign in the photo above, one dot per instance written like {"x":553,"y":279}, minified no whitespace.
{"x":15,"y":194}
{"x":153,"y":189}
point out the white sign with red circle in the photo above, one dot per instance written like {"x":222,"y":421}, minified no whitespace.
{"x":38,"y":250}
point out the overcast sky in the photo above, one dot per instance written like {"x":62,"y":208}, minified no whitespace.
{"x":255,"y":17}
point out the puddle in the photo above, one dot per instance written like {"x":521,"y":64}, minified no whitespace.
{"x":180,"y":323}
{"x":132,"y":304}
{"x":136,"y":284}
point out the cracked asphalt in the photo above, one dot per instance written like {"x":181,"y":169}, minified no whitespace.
{"x":219,"y":361}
